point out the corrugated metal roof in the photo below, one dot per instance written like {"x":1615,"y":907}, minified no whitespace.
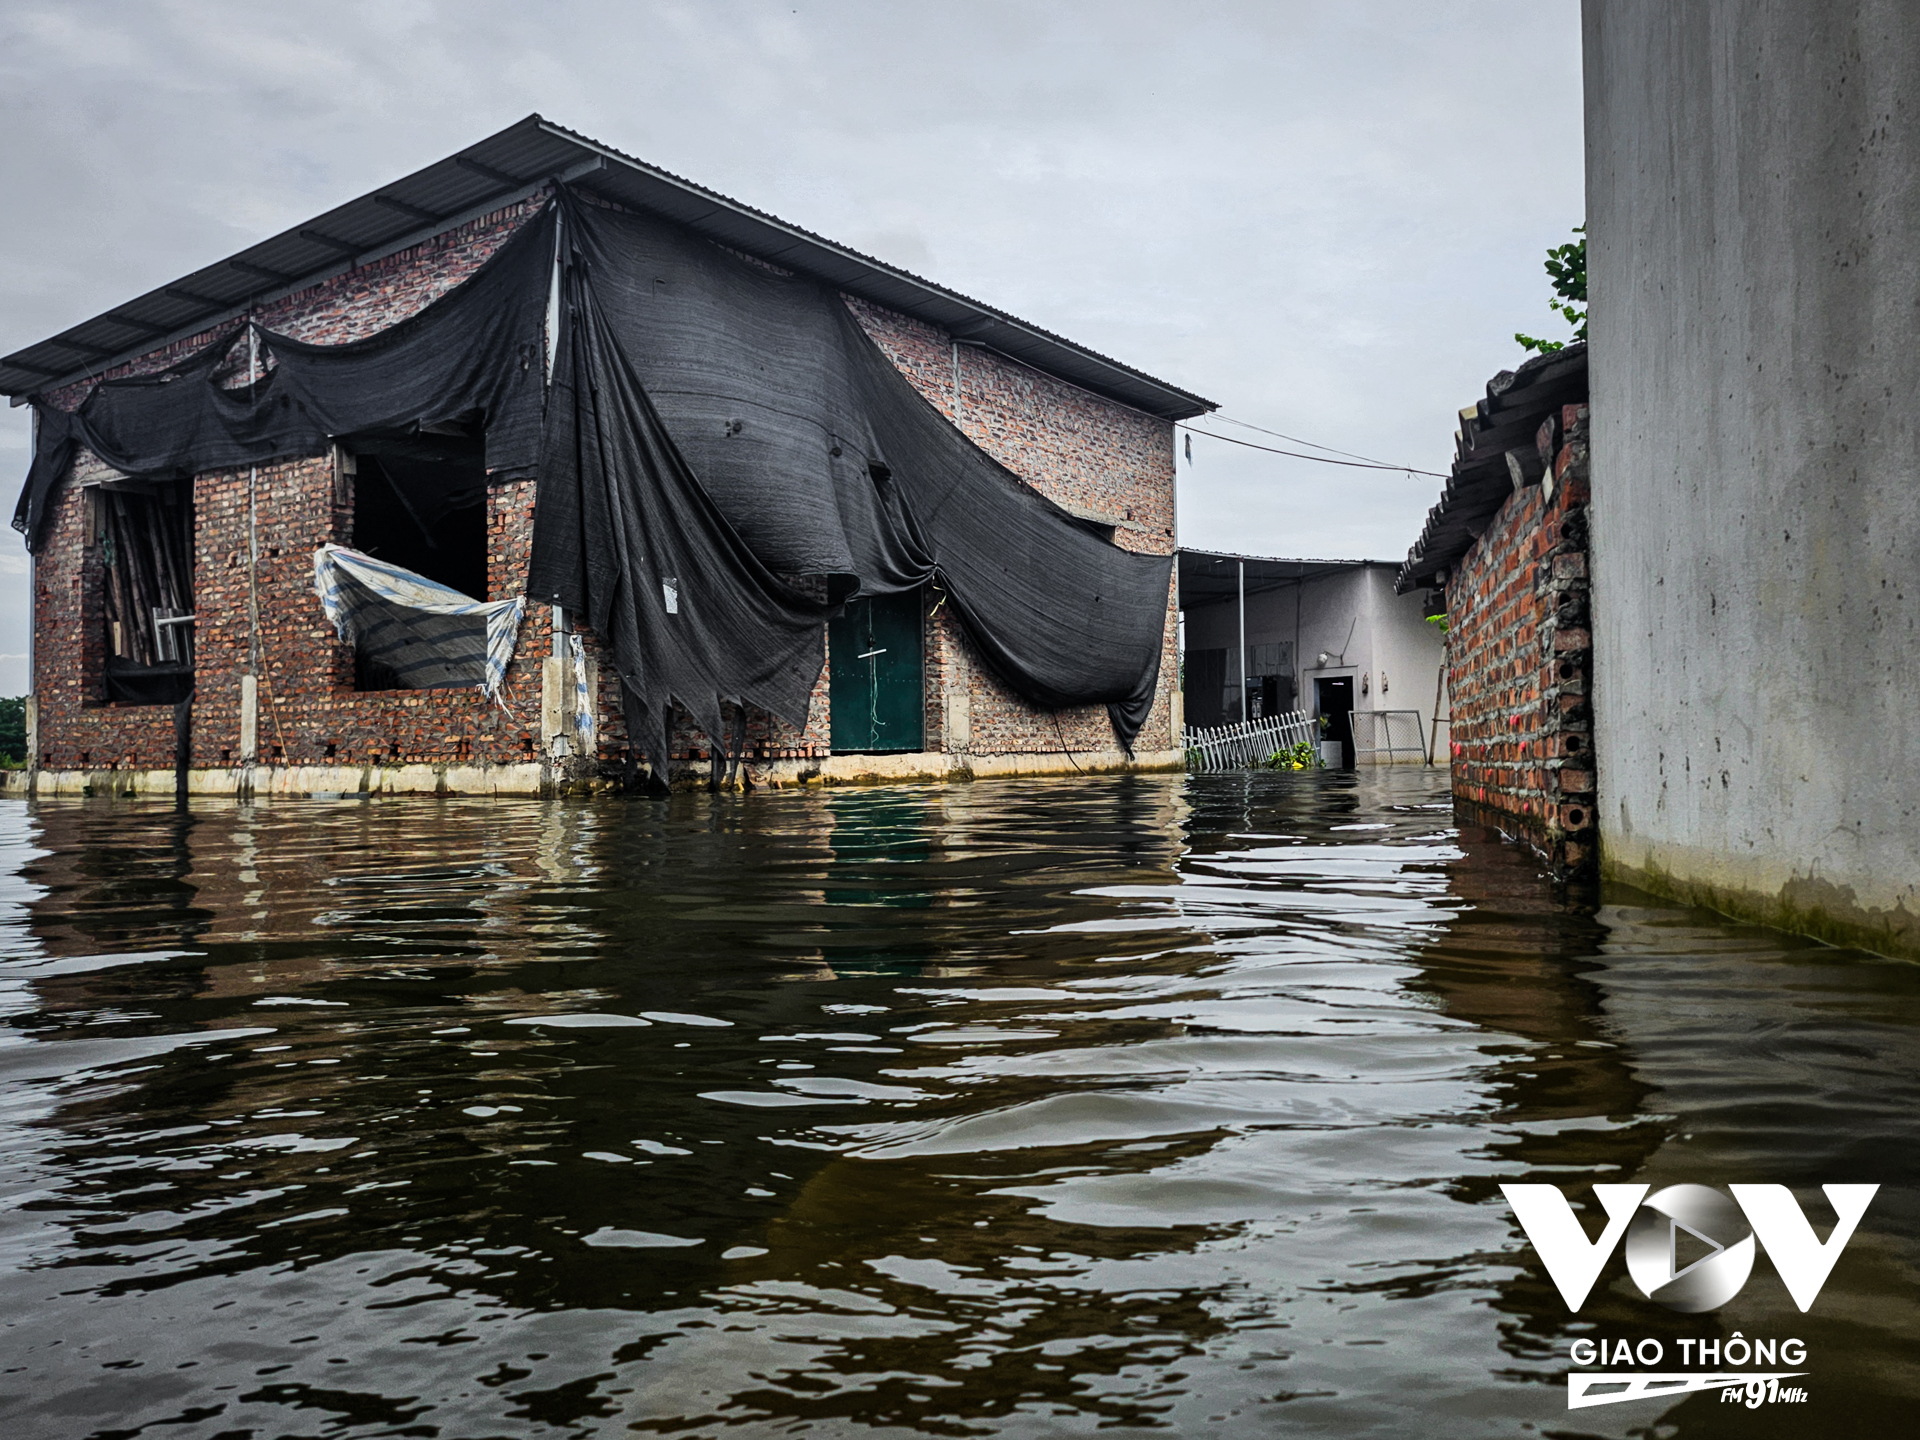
{"x":1213,"y":577}
{"x":1516,"y":403}
{"x":499,"y":169}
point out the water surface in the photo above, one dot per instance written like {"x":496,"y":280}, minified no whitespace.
{"x":1128,"y":1105}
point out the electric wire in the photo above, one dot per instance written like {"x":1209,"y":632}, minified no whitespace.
{"x":1357,"y":461}
{"x":1297,"y":440}
{"x":1320,"y":459}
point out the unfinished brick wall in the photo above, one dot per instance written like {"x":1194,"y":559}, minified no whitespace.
{"x":309,"y":711}
{"x":1519,"y":666}
{"x":255,"y":536}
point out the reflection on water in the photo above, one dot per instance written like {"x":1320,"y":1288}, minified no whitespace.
{"x":1004,"y":1109}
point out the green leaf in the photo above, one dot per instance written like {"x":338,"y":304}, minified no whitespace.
{"x":1567,"y":268}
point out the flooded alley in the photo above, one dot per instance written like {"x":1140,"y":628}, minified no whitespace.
{"x":1023,"y":1108}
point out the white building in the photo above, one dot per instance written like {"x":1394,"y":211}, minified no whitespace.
{"x":1329,"y":637}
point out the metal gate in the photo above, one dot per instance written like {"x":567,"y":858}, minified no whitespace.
{"x":1389,"y":737}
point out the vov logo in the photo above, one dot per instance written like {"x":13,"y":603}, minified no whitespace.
{"x":1652,"y":1225}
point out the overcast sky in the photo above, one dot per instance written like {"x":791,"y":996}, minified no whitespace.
{"x":1327,"y":217}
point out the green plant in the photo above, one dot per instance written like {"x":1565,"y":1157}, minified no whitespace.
{"x":1567,"y":269}
{"x":1440,"y":620}
{"x":1295,"y":757}
{"x":13,"y":729}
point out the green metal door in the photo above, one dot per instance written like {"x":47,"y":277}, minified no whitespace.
{"x":876,"y":685}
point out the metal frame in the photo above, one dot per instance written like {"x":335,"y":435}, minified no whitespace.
{"x":1384,"y":728}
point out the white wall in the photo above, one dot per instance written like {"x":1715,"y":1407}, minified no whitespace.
{"x":1355,"y":618}
{"x":1409,"y":654}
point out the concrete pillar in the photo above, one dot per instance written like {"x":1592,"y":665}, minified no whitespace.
{"x":958,"y":701}
{"x":556,"y":706}
{"x":249,"y":719}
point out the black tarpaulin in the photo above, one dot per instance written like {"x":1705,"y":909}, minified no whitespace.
{"x":711,"y":428}
{"x":827,"y":460}
{"x":625,"y":534}
{"x":475,"y":356}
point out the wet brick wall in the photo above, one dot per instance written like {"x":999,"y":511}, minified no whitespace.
{"x":308,"y":710}
{"x":1091,"y":454}
{"x":1519,"y":664}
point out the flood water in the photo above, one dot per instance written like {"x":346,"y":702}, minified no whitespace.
{"x":1017,"y":1108}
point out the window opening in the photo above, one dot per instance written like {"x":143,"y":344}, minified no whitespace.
{"x":145,"y":534}
{"x":420,"y":502}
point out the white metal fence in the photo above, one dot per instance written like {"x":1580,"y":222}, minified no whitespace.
{"x":1389,"y":737}
{"x":1242,"y":746}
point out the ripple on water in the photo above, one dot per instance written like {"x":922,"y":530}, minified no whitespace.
{"x":1024,"y":1108}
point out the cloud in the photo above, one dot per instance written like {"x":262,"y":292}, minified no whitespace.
{"x":1284,"y":206}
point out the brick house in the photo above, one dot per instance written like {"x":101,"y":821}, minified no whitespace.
{"x":1505,"y":552}
{"x":213,"y":576}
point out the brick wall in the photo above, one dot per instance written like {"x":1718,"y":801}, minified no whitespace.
{"x":1090,"y":454}
{"x":309,"y":711}
{"x":1085,"y":452}
{"x":1519,"y":664}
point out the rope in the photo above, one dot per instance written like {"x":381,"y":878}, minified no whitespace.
{"x":1063,"y":742}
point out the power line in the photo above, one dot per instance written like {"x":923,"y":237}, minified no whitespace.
{"x":1322,"y":459}
{"x":1297,"y":440}
{"x":1359,"y":462}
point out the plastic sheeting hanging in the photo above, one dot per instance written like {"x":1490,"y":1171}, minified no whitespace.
{"x":416,"y":630}
{"x":691,"y":382}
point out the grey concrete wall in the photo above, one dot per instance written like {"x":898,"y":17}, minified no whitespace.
{"x":1753,"y":204}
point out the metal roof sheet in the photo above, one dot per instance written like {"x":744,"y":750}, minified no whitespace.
{"x":1212,"y":577}
{"x":517,"y":161}
{"x":1516,"y":402}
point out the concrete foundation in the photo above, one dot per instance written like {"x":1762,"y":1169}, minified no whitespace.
{"x":332,"y":782}
{"x":1753,"y":190}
